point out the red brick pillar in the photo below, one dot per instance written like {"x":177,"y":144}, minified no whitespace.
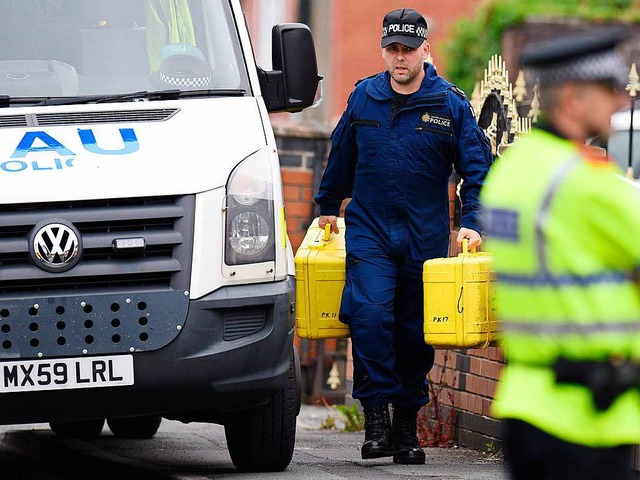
{"x":302,"y":151}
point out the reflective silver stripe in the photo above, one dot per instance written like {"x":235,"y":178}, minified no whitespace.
{"x":568,"y":328}
{"x":543,"y":277}
{"x":543,"y":213}
{"x":539,"y":280}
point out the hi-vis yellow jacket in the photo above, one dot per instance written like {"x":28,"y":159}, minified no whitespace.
{"x":168,"y":21}
{"x":565,"y":235}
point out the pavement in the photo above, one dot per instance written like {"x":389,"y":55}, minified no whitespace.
{"x":198,"y":451}
{"x":338,"y":446}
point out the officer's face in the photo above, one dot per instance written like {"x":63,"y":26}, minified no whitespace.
{"x":405,"y":63}
{"x":598,"y":102}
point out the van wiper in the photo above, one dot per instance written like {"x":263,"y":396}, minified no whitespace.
{"x":141,"y":96}
{"x":218,"y":92}
{"x":171,"y":95}
{"x":144,"y":95}
{"x":6,"y":100}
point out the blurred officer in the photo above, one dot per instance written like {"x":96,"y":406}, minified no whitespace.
{"x":392,"y":154}
{"x":168,"y":22}
{"x":563,"y":227}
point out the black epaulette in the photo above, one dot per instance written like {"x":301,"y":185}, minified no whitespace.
{"x":365,"y":78}
{"x":458,"y":91}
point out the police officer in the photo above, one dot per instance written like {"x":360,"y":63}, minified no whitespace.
{"x":563,"y":227}
{"x":392,"y":154}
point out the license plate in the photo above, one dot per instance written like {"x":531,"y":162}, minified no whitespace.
{"x":66,"y":373}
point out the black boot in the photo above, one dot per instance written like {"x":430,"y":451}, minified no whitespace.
{"x":405,"y":438}
{"x":377,"y":433}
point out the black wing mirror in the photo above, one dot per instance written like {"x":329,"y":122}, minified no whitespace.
{"x":294,"y":83}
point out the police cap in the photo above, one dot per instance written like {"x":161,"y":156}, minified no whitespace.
{"x":588,"y":56}
{"x":405,"y":26}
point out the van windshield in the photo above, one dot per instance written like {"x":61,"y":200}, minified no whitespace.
{"x":67,"y":48}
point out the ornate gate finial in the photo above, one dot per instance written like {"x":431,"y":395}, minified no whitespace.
{"x":498,"y":114}
{"x":633,"y":86}
{"x":520,"y":91}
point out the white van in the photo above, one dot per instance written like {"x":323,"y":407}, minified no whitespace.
{"x":144,"y":265}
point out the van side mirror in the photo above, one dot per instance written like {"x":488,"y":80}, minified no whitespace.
{"x":293,"y":84}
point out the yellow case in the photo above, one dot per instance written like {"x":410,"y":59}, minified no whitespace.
{"x":320,"y":277}
{"x":458,"y":301}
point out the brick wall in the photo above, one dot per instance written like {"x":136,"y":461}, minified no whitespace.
{"x":355,"y":32}
{"x":297,"y":185}
{"x":302,"y":152}
{"x":471,"y":374}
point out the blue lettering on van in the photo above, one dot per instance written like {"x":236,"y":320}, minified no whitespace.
{"x":50,"y":145}
{"x":128,"y":135}
{"x":38,"y":142}
{"x":13,"y":166}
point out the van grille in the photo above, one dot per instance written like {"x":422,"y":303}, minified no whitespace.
{"x":165,"y":223}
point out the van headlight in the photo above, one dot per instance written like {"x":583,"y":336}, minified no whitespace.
{"x":250,"y":220}
{"x":249,"y":233}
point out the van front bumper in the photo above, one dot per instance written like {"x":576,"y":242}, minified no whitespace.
{"x":233,"y":351}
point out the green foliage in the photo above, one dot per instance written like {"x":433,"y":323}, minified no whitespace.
{"x":491,"y":447}
{"x":476,"y":39}
{"x":328,"y":423}
{"x":354,"y":419}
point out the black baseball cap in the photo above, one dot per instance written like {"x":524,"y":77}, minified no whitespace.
{"x":405,"y":26}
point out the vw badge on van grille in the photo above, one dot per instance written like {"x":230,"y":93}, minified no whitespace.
{"x":55,"y":245}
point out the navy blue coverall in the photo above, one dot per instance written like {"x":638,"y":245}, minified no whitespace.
{"x":395,"y":166}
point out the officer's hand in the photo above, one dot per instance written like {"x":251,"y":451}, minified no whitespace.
{"x":332,"y":219}
{"x":474,"y":237}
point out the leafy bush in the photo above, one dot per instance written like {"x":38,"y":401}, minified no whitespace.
{"x":474,"y":40}
{"x":354,"y":419}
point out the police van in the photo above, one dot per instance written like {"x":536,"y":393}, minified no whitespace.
{"x":144,"y":265}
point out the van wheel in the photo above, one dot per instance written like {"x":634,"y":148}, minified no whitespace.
{"x":262,"y":439}
{"x":81,"y":429}
{"x":135,"y":427}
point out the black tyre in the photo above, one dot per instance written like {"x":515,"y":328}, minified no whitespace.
{"x":262,"y":439}
{"x":135,"y":427}
{"x":81,"y":429}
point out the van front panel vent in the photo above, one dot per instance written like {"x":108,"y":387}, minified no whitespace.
{"x":243,"y":322}
{"x":123,"y":116}
{"x":9,"y":121}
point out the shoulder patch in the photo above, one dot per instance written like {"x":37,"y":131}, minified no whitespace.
{"x":502,"y":223}
{"x":365,"y":78}
{"x":458,"y":91}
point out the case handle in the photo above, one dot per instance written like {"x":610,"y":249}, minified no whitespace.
{"x":327,"y":232}
{"x":465,"y":246}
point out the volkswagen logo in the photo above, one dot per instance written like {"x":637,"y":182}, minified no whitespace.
{"x":55,"y":245}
